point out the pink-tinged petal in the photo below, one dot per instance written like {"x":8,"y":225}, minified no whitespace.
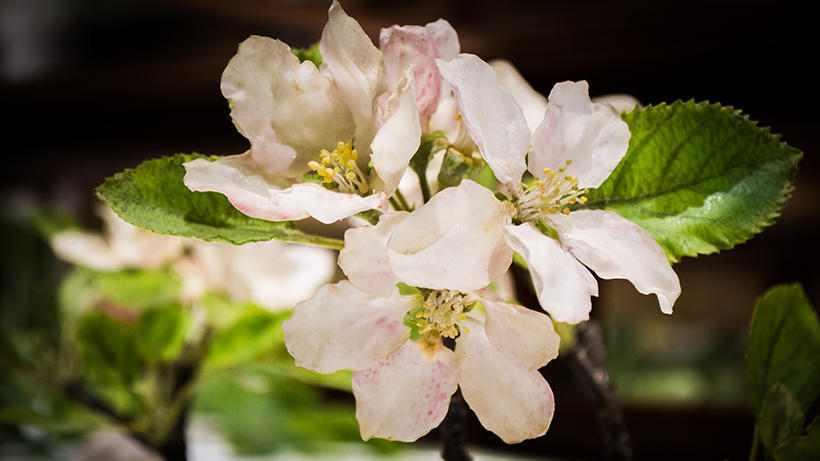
{"x":355,"y":65}
{"x":444,"y":38}
{"x":493,"y":118}
{"x":287,"y":110}
{"x":563,"y":285}
{"x":520,"y":333}
{"x":511,"y":400}
{"x":591,"y":135}
{"x":454,"y":241}
{"x":405,"y":395}
{"x":342,"y":327}
{"x":325,"y":205}
{"x":412,"y":46}
{"x":617,"y":248}
{"x":398,"y":137}
{"x":364,"y":257}
{"x":532,"y":103}
{"x":242,"y":181}
{"x":621,"y":102}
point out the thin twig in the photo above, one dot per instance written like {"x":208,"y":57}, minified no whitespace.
{"x":452,"y":431}
{"x":588,"y":362}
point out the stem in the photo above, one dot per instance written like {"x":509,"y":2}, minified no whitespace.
{"x":402,"y":201}
{"x":425,"y":187}
{"x":588,"y":363}
{"x":452,"y":431}
{"x":395,"y":204}
{"x":755,"y":445}
{"x":174,"y":446}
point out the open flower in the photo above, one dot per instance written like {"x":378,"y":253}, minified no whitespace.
{"x":575,"y":146}
{"x":403,"y":375}
{"x":331,"y":123}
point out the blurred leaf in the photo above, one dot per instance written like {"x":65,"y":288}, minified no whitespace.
{"x":802,"y":448}
{"x":780,"y":416}
{"x":153,"y":196}
{"x":784,"y":346}
{"x":699,"y":177}
{"x":161,"y":332}
{"x":108,"y":349}
{"x":255,"y":333}
{"x":48,"y":224}
{"x":311,"y":54}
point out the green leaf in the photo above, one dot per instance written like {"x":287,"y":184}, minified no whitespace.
{"x":153,"y":196}
{"x":699,"y":177}
{"x":311,"y":54}
{"x":784,"y":346}
{"x":456,"y":167}
{"x":108,"y":349}
{"x":255,"y":333}
{"x":801,"y":448}
{"x":781,"y":416}
{"x":161,"y":332}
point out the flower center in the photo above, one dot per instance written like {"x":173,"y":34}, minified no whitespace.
{"x":339,"y":169}
{"x":554,"y":194}
{"x":441,"y":311}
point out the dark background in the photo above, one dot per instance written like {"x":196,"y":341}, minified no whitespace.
{"x":90,"y":87}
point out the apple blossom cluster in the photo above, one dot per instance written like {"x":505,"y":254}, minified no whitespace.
{"x":415,"y":320}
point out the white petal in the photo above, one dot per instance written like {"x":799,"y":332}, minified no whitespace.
{"x":289,"y":111}
{"x":617,"y":248}
{"x":398,"y":137}
{"x":275,"y":275}
{"x":364,"y":256}
{"x":342,"y":327}
{"x":405,"y":395}
{"x":512,"y":401}
{"x":412,"y":46}
{"x":563,"y":285}
{"x":445,"y":39}
{"x":591,"y":135}
{"x":492,"y":116}
{"x":355,"y":65}
{"x":621,"y":102}
{"x":454,"y":241}
{"x":532,"y":103}
{"x":86,"y":250}
{"x":327,"y":206}
{"x":447,"y":119}
{"x":520,"y":333}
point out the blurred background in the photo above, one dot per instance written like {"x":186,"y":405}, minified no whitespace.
{"x":90,"y":88}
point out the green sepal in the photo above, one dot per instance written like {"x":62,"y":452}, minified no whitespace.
{"x":153,"y":196}
{"x":698,"y":177}
{"x":455,"y":167}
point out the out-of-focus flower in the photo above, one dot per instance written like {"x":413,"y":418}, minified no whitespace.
{"x":273,"y":275}
{"x":403,"y":375}
{"x":121,"y":246}
{"x":301,"y":120}
{"x":575,"y":146}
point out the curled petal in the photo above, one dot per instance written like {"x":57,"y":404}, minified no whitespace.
{"x":617,"y":248}
{"x":343,"y":327}
{"x":355,"y":65}
{"x":511,"y":400}
{"x":327,"y":206}
{"x":621,"y":102}
{"x":405,"y":395}
{"x":412,"y":46}
{"x":522,"y":334}
{"x":493,"y":118}
{"x":454,"y":241}
{"x":532,"y":103}
{"x":364,"y":256}
{"x":445,"y":39}
{"x":591,"y":135}
{"x":287,"y":110}
{"x":241,"y":180}
{"x":398,"y":137}
{"x":563,"y":285}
